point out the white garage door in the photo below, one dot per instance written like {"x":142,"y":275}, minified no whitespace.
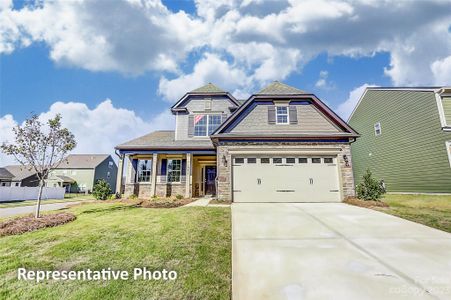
{"x":285,"y":179}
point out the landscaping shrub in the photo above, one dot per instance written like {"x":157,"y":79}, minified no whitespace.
{"x":369,"y":188}
{"x":178,"y":196}
{"x":30,"y":223}
{"x":132,"y":196}
{"x":101,"y":190}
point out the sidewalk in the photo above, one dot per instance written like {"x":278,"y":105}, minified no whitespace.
{"x":7,"y":212}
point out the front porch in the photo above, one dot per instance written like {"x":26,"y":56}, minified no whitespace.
{"x":168,"y":174}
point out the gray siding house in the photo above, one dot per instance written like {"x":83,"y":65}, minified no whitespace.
{"x":22,"y":176}
{"x":280,"y":145}
{"x":79,"y":172}
{"x":406,"y":138}
{"x":5,"y":177}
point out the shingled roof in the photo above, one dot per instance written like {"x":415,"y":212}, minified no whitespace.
{"x":208,"y":89}
{"x":5,"y":174}
{"x":164,"y":139}
{"x":279,"y":88}
{"x":20,"y":172}
{"x":82,"y":161}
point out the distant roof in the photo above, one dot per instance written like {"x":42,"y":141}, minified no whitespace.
{"x":5,"y":174}
{"x":279,"y":88}
{"x":20,"y":172}
{"x":82,"y":161}
{"x":164,"y":139}
{"x":66,"y":179}
{"x":405,"y":88}
{"x":208,"y":88}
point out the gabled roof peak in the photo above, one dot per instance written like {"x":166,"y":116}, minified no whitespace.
{"x":208,"y":88}
{"x":278,"y":88}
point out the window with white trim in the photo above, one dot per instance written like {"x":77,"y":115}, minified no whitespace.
{"x":204,"y":125}
{"x":377,"y":129}
{"x":174,"y":169}
{"x":143,"y":170}
{"x":282,"y":115}
{"x":110,"y":164}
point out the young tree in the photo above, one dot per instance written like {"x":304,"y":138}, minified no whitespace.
{"x":39,"y":148}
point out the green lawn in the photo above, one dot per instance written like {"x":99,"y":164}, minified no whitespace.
{"x":67,"y":198}
{"x":194,"y":241}
{"x":430,"y":210}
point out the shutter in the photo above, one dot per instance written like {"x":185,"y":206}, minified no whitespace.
{"x":163,"y":166}
{"x":293,"y":114}
{"x":134,"y":170}
{"x":190,"y":126}
{"x":271,"y":114}
{"x":183,"y":167}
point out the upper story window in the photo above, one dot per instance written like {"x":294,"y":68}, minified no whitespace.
{"x":110,"y":164}
{"x":446,"y":103}
{"x":204,"y":125}
{"x":377,"y":129}
{"x":282,"y":115}
{"x":144,"y":170}
{"x":448,"y":148}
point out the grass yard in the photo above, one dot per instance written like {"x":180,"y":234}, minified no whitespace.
{"x":430,"y":210}
{"x":194,"y":241}
{"x":67,"y":198}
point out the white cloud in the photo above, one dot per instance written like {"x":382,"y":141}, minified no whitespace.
{"x":266,"y":40}
{"x":345,"y":109}
{"x":211,"y":68}
{"x":96,"y":130}
{"x":442,"y":71}
{"x":323,"y":82}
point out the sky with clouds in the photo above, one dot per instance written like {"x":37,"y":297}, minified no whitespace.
{"x":113,"y":68}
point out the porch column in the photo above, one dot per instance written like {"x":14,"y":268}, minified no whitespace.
{"x":153,"y":185}
{"x":189,"y":178}
{"x":130,"y":171}
{"x":120,"y":173}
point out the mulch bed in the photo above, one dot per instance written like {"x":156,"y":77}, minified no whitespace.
{"x":158,"y":202}
{"x":30,"y":223}
{"x":365,"y":203}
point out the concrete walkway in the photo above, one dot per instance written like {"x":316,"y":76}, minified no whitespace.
{"x":335,"y":251}
{"x":7,"y":212}
{"x":200,"y":202}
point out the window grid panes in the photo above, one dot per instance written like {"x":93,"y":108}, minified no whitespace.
{"x":282,"y":115}
{"x":277,"y":160}
{"x":316,"y":160}
{"x":328,"y":160}
{"x":377,"y":129}
{"x":144,"y":170}
{"x":206,"y":124}
{"x":302,"y":160}
{"x":291,"y":160}
{"x":264,"y":160}
{"x":174,"y":170}
{"x":239,"y":160}
{"x":251,"y":160}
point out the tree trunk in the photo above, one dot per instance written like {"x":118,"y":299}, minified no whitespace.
{"x":38,"y":203}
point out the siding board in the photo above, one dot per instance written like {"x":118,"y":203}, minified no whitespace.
{"x":410,"y":155}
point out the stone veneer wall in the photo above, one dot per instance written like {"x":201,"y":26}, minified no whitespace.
{"x":144,"y":190}
{"x":225,"y":172}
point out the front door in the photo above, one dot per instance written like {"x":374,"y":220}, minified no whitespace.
{"x":210,"y":177}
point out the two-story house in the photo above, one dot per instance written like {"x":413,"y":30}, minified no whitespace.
{"x":406,"y":138}
{"x":280,"y":145}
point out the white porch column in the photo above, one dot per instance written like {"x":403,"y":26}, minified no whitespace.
{"x":189,"y":177}
{"x":120,"y":173}
{"x":153,"y":185}
{"x":130,"y":171}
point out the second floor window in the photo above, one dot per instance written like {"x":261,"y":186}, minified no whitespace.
{"x":144,"y":170}
{"x":377,"y":129}
{"x":204,"y":125}
{"x":281,"y":115}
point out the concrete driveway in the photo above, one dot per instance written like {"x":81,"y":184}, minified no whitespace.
{"x":19,"y":210}
{"x":335,"y":251}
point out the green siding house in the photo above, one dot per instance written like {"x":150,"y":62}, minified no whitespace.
{"x":79,"y":172}
{"x":405,"y":138}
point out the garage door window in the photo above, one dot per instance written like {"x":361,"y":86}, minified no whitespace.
{"x":291,"y":160}
{"x":277,"y":160}
{"x":328,"y":160}
{"x":239,"y":160}
{"x":251,"y":160}
{"x":316,"y":160}
{"x":264,"y":160}
{"x":302,"y":160}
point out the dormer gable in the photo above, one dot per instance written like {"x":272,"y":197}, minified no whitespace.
{"x":205,"y":97}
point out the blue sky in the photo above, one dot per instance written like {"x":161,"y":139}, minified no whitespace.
{"x":113,"y":71}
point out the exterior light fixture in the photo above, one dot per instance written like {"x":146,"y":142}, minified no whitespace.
{"x":345,"y":158}
{"x":224,"y":160}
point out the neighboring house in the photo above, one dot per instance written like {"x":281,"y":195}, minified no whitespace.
{"x":281,"y":145}
{"x":79,"y":172}
{"x":406,"y":138}
{"x":23,"y":176}
{"x":5,"y":177}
